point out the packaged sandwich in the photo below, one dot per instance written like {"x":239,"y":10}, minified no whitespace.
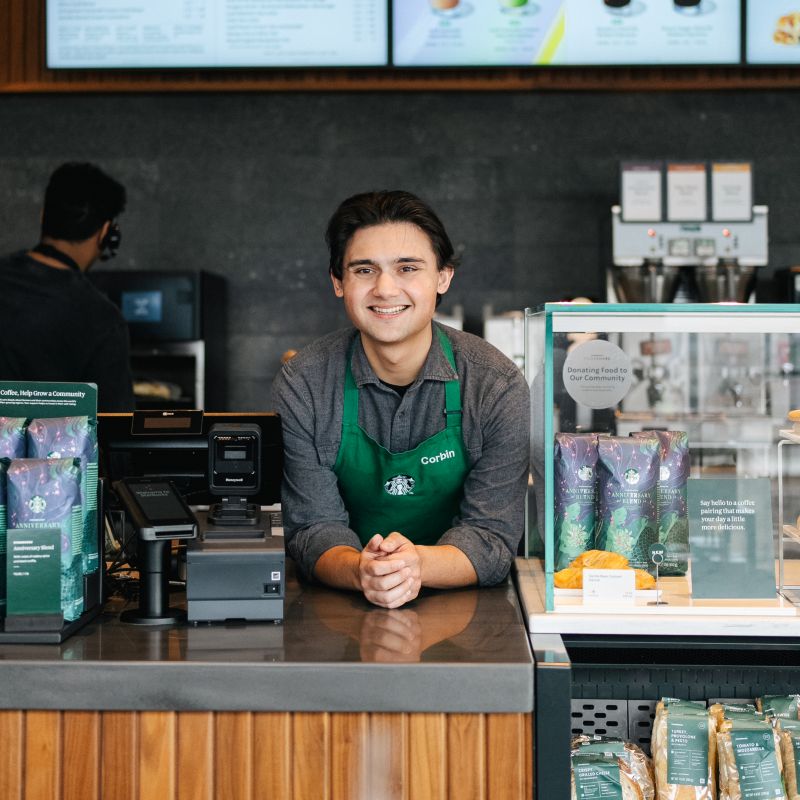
{"x":789,"y":732}
{"x":750,"y":763}
{"x":782,"y":706}
{"x":640,"y":766}
{"x":683,"y":745}
{"x":597,"y":775}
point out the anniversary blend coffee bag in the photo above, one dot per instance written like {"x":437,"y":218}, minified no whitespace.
{"x":627,"y":497}
{"x":73,"y":437}
{"x":47,"y":494}
{"x":575,"y":495}
{"x":673,"y":518}
{"x":12,"y":437}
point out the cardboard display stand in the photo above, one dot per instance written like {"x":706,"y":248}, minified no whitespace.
{"x":39,"y":619}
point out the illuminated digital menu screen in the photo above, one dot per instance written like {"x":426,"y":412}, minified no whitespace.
{"x":773,"y":32}
{"x":520,"y":32}
{"x":84,"y":34}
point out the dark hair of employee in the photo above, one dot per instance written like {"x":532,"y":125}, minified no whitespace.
{"x":80,"y":198}
{"x":377,"y":208}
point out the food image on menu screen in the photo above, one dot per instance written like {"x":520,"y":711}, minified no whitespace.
{"x":216,"y":33}
{"x":773,"y":32}
{"x":476,"y":32}
{"x":519,"y":32}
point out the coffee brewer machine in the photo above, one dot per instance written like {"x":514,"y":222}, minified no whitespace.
{"x":706,"y":262}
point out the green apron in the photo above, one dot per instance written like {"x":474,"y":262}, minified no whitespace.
{"x":417,"y":492}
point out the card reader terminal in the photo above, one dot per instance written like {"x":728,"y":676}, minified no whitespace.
{"x":156,"y":509}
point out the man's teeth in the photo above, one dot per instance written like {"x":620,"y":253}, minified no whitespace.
{"x":392,"y":310}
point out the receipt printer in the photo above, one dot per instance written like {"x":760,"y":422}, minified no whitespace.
{"x":234,"y":573}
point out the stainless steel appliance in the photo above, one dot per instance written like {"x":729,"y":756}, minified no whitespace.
{"x":707,"y":262}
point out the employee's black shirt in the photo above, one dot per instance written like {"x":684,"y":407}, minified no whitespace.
{"x":56,"y":326}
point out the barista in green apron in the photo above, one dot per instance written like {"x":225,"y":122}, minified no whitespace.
{"x":384,"y":491}
{"x":416,"y":493}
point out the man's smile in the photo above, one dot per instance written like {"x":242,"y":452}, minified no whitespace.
{"x":388,"y":310}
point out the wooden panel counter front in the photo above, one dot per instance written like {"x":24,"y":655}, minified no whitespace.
{"x":344,"y":700}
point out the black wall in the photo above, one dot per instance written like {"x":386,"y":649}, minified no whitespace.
{"x":243,"y":184}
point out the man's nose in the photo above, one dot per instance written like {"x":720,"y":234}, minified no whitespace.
{"x":385,"y":285}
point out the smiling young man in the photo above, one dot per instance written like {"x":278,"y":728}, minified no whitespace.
{"x":406,"y":442}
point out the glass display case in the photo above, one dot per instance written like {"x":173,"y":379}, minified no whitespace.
{"x":654,"y":457}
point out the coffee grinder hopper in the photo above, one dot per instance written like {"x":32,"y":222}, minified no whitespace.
{"x":707,"y":262}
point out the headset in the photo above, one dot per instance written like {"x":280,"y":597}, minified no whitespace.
{"x":111,"y":241}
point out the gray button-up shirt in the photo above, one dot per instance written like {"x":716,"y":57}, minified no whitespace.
{"x":309,"y":396}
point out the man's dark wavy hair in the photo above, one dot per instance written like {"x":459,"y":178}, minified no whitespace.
{"x":376,"y":208}
{"x":78,"y":200}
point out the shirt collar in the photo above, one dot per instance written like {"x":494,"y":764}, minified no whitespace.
{"x":435,"y":368}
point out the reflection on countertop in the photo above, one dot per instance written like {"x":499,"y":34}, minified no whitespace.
{"x":306,"y":663}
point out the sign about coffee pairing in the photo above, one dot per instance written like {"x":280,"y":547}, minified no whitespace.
{"x":730,"y":538}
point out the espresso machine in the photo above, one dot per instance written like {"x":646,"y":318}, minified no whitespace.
{"x":704,"y":262}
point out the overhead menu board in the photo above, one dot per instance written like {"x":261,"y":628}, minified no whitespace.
{"x":773,"y":32}
{"x":591,"y":32}
{"x":216,"y":33}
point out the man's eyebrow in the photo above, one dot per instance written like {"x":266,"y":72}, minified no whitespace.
{"x":368,"y":262}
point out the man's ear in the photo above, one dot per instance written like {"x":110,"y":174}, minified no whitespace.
{"x":338,"y":289}
{"x":445,"y":276}
{"x":102,"y":233}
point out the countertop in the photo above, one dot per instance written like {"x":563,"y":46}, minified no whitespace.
{"x":461,"y":651}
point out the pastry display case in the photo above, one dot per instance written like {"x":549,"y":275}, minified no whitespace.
{"x":655,"y":462}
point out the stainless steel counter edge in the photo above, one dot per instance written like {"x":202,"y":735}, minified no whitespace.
{"x":333,"y":687}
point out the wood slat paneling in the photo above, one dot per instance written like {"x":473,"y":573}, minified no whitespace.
{"x":195,"y":768}
{"x":233,"y":756}
{"x":388,"y":756}
{"x":466,"y":756}
{"x":119,"y":749}
{"x":427,"y":736}
{"x":506,"y":756}
{"x":11,"y":739}
{"x":22,"y":59}
{"x":312,"y":747}
{"x":81,"y":755}
{"x":42,"y":755}
{"x":263,"y":756}
{"x":157,"y":755}
{"x":350,"y":756}
{"x":273,"y":758}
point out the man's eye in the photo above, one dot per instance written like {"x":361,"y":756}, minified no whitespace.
{"x":408,"y":268}
{"x":363,"y":271}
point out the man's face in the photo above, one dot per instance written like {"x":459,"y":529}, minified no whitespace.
{"x":389,"y":283}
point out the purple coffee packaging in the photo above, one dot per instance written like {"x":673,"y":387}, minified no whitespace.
{"x":673,"y":516}
{"x":575,"y":462}
{"x":627,"y":471}
{"x":73,"y":437}
{"x":46,"y":493}
{"x":12,"y":437}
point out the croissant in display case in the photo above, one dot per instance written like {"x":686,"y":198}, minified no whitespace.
{"x":787,"y":29}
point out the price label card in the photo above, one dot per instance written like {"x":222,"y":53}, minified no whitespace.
{"x":609,"y":587}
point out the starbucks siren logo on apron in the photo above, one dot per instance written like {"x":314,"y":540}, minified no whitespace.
{"x":400,"y":484}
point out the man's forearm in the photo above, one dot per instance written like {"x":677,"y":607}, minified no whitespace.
{"x":339,"y":567}
{"x":445,"y":567}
